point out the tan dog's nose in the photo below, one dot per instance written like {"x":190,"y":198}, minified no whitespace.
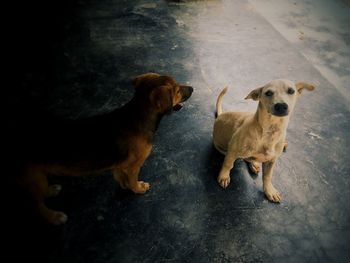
{"x":281,"y":109}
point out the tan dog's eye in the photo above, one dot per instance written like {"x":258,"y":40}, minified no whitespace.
{"x":269,"y":93}
{"x":290,"y":91}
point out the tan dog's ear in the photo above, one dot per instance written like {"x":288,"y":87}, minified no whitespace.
{"x":302,"y":85}
{"x":162,"y":98}
{"x":144,"y":79}
{"x":254,"y":94}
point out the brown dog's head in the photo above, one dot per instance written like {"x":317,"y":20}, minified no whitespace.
{"x":278,"y":96}
{"x":163,"y":92}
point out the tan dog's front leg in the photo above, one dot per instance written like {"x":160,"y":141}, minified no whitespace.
{"x":270,"y":191}
{"x":224,"y":176}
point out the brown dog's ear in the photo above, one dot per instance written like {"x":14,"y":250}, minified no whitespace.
{"x":254,"y":94}
{"x":162,"y":99}
{"x":302,"y":85}
{"x":144,"y":79}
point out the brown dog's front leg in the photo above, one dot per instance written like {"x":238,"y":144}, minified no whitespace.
{"x":121,"y":178}
{"x":224,"y":176}
{"x":129,"y":179}
{"x":138,"y":187}
{"x":270,"y":191}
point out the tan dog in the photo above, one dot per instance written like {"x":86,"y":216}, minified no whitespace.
{"x":257,"y":137}
{"x":119,"y":141}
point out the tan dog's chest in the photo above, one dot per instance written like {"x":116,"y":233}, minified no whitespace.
{"x":261,"y":153}
{"x":249,"y":141}
{"x":262,"y":150}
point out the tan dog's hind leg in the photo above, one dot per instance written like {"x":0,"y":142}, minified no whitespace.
{"x":36,"y":182}
{"x":270,"y":191}
{"x":254,"y":167}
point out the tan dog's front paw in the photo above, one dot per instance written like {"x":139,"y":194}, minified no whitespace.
{"x":224,"y":181}
{"x":272,"y":194}
{"x":141,"y":187}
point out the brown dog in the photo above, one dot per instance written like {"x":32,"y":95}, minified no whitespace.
{"x":119,"y":141}
{"x":257,"y":137}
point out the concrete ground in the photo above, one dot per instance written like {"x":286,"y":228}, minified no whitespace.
{"x":76,"y":58}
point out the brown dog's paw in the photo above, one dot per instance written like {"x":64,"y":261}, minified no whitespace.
{"x":54,"y":190}
{"x":141,"y":187}
{"x":58,"y":218}
{"x":272,"y":194}
{"x":224,"y":181}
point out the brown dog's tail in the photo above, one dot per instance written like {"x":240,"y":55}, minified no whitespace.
{"x":218,"y":102}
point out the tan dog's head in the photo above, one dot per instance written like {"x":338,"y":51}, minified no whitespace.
{"x":163,"y":92}
{"x":278,"y":96}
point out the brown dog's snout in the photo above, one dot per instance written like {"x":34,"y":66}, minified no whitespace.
{"x":186,"y":92}
{"x":281,"y":109}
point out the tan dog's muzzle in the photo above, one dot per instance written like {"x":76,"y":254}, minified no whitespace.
{"x":280,"y":109}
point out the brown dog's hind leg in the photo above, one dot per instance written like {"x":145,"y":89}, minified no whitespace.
{"x":53,"y":190}
{"x":285,"y":146}
{"x":53,"y":217}
{"x":36,"y":182}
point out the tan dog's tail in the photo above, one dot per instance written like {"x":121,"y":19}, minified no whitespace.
{"x":218,"y":102}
